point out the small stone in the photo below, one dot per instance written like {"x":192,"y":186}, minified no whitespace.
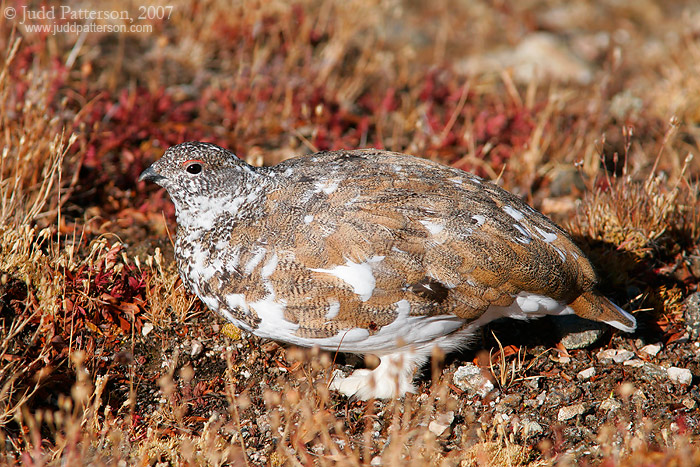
{"x":588,"y":373}
{"x":616,"y":355}
{"x":571,"y":411}
{"x":578,"y":333}
{"x":541,"y":398}
{"x":531,"y":428}
{"x":655,"y":371}
{"x":533,"y":383}
{"x":651,"y":349}
{"x":610,"y":405}
{"x":623,"y":356}
{"x":530,"y":403}
{"x":607,"y":354}
{"x":146,"y":329}
{"x":692,"y":315}
{"x":638,"y":397}
{"x":635,"y":363}
{"x":689,"y":403}
{"x":196,"y":349}
{"x":470,"y":379}
{"x":441,"y":423}
{"x":511,"y":400}
{"x":681,"y":376}
{"x":376,"y":461}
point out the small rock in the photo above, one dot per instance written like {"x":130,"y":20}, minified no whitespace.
{"x":616,"y":355}
{"x":635,"y":363}
{"x":654,"y":371}
{"x":578,"y":333}
{"x":533,"y":383}
{"x":376,"y":461}
{"x":530,"y":403}
{"x":571,"y":411}
{"x":147,"y":328}
{"x":441,"y":423}
{"x":681,"y":376}
{"x":623,"y":356}
{"x":469,"y":379}
{"x":541,"y":398}
{"x":692,"y":315}
{"x":638,"y":397}
{"x":689,"y":403}
{"x":610,"y":405}
{"x":196,"y":349}
{"x":511,"y":400}
{"x":651,"y":349}
{"x":588,"y":373}
{"x":531,"y":428}
{"x":607,"y":354}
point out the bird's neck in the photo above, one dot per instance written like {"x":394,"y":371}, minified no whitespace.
{"x":222,"y":209}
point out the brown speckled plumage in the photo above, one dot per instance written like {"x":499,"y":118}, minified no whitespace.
{"x":368,"y":251}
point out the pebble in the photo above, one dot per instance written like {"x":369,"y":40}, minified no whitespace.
{"x":571,"y":411}
{"x":616,"y":355}
{"x":588,"y":373}
{"x":541,"y":398}
{"x":638,"y":397}
{"x":470,"y":379}
{"x":692,"y":315}
{"x":635,"y":363}
{"x":689,"y":403}
{"x":610,"y":405}
{"x":533,"y":383}
{"x":147,"y":328}
{"x":531,"y":428}
{"x":511,"y":400}
{"x":578,"y":333}
{"x":197,"y":348}
{"x":681,"y":376}
{"x":441,"y":423}
{"x":651,"y":349}
{"x":655,"y":371}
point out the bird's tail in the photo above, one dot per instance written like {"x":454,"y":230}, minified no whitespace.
{"x":591,"y":305}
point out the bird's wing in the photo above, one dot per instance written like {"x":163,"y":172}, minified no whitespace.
{"x":358,"y":242}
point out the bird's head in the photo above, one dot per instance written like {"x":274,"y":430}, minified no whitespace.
{"x":201,"y":177}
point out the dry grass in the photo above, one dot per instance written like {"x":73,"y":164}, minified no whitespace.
{"x":101,"y":358}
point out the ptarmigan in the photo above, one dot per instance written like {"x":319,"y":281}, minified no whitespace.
{"x":368,"y":251}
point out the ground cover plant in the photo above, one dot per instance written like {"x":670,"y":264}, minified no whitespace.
{"x":587,"y":110}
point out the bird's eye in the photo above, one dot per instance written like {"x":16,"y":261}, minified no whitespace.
{"x":194,"y":168}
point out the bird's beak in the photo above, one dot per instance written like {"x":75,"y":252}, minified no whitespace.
{"x":150,"y":175}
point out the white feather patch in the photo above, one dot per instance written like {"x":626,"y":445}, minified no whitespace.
{"x":359,"y":276}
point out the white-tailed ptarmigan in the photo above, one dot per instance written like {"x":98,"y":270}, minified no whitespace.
{"x":369,"y":252}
